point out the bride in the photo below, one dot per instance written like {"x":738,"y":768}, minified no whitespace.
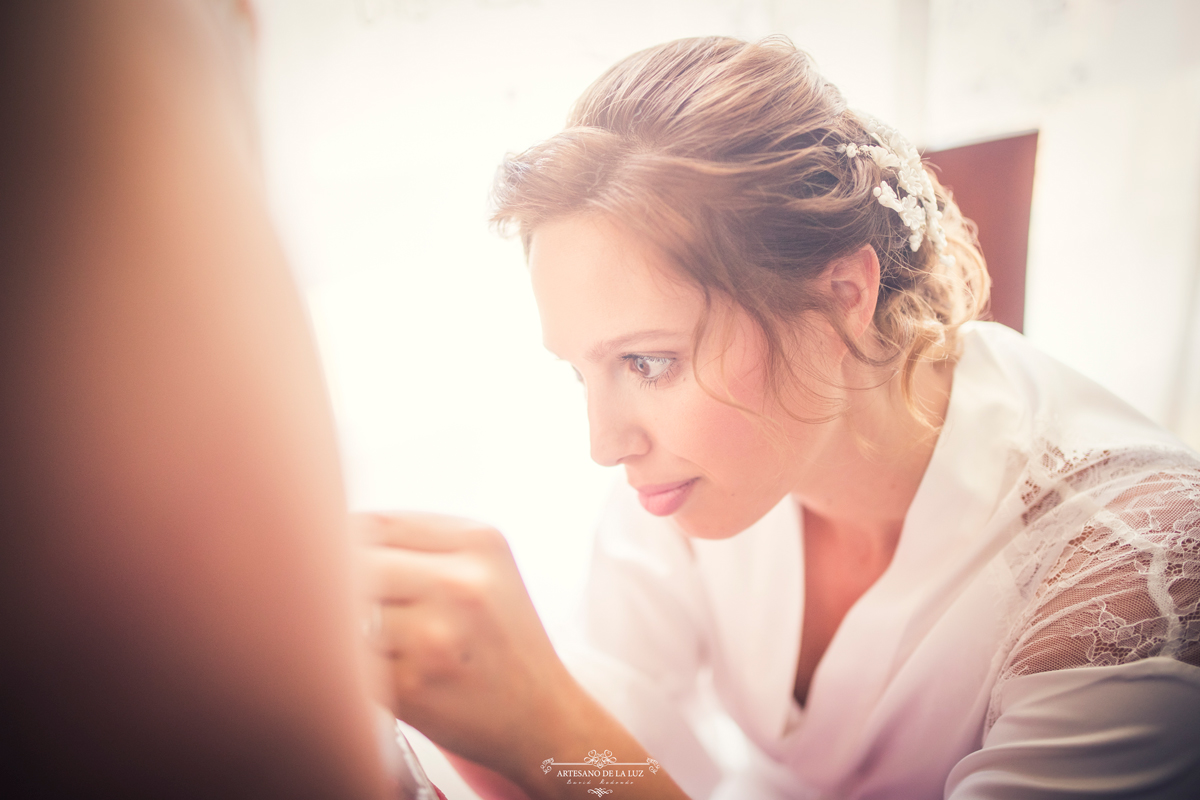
{"x":911,"y":555}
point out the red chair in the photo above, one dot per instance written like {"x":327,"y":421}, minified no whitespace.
{"x":993,"y":184}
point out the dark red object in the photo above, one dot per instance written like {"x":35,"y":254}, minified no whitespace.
{"x":993,"y":184}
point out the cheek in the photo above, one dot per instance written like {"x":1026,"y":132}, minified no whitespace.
{"x":728,"y":444}
{"x":736,"y":432}
{"x":745,"y":472}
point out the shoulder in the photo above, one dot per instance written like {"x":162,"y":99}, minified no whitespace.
{"x":1114,"y":563}
{"x":1103,"y":520}
{"x":1069,"y":435}
{"x":1059,"y":403}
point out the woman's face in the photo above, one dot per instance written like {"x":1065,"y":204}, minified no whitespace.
{"x":612,"y":307}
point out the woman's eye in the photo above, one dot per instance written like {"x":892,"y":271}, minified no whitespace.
{"x":650,"y":368}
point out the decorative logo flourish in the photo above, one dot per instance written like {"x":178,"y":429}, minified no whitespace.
{"x":600,"y":791}
{"x":600,"y":759}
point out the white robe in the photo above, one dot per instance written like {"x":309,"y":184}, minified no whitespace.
{"x":1036,"y":634}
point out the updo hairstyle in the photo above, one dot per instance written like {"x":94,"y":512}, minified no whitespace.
{"x":723,"y":155}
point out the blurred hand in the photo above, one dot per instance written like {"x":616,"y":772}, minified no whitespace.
{"x":469,"y":663}
{"x":466,"y":656}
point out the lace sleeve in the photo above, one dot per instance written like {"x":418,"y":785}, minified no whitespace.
{"x":1115,"y":577}
{"x":1107,"y":567}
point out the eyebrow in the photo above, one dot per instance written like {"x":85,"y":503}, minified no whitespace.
{"x":601,"y":349}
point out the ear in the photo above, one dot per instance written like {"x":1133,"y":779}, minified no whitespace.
{"x":854,"y":286}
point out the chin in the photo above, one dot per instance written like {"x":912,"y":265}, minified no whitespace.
{"x":700,"y":525}
{"x":707,"y":517}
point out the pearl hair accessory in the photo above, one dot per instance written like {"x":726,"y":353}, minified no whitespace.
{"x":918,"y":208}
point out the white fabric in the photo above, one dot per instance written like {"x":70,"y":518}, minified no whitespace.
{"x":1036,"y":634}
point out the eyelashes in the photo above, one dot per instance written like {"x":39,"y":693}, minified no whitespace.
{"x":651,"y":370}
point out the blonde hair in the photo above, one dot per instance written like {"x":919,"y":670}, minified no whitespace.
{"x":722,"y":154}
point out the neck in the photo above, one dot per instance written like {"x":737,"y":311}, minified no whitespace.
{"x":863,"y":481}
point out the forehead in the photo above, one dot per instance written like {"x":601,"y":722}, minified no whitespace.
{"x":595,"y":281}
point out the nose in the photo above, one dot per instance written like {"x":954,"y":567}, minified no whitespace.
{"x":615,"y":432}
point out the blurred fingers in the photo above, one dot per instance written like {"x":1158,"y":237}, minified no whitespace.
{"x":399,"y":576}
{"x":422,"y":648}
{"x":416,"y":530}
{"x":451,"y":580}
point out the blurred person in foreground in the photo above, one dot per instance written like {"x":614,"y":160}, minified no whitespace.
{"x":912,"y":556}
{"x":176,"y":610}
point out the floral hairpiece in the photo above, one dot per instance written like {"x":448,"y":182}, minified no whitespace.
{"x":918,"y":208}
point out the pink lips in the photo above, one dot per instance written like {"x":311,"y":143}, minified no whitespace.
{"x":664,"y":499}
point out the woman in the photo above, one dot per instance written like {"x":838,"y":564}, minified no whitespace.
{"x":916,"y":557}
